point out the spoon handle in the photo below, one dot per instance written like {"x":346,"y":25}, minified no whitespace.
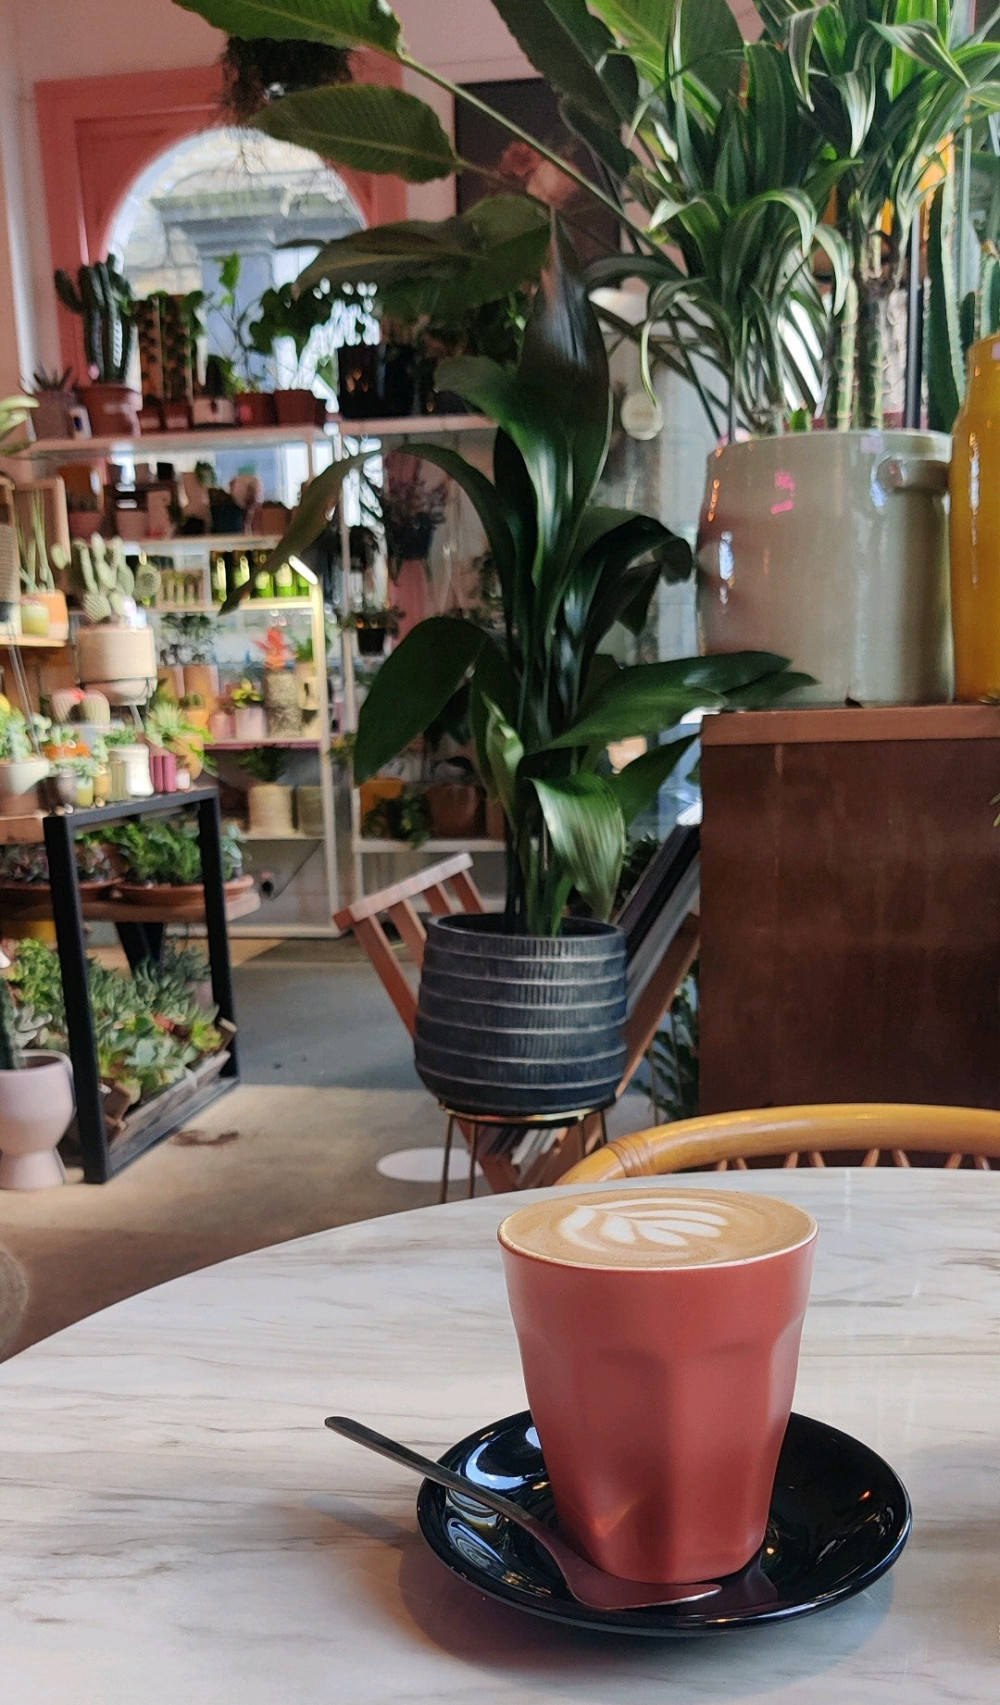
{"x":359,"y":1434}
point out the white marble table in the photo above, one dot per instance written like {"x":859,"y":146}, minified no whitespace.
{"x":177,"y":1527}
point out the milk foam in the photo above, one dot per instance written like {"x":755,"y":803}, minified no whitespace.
{"x":656,"y":1228}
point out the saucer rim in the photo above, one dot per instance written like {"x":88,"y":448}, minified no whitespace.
{"x":656,"y":1621}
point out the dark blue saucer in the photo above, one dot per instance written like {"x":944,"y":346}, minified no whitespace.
{"x":839,"y":1519}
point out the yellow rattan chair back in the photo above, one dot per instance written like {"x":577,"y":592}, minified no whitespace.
{"x":865,"y":1133}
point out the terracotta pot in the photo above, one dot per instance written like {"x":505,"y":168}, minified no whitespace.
{"x":83,"y":523}
{"x":36,"y":1106}
{"x":456,"y":810}
{"x":202,"y":678}
{"x":299,"y":408}
{"x":496,"y":822}
{"x":119,"y":661}
{"x":171,"y":896}
{"x":831,"y":549}
{"x":256,"y":408}
{"x":53,"y":418}
{"x":55,"y":604}
{"x":171,"y":676}
{"x":113,"y":410}
{"x":372,"y":792}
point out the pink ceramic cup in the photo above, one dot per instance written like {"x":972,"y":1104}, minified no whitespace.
{"x":661,"y":1393}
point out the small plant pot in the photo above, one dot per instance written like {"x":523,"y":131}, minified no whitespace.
{"x":371,"y":793}
{"x":376,"y":379}
{"x":83,"y":523}
{"x":371,"y":640}
{"x":55,"y":604}
{"x":34,"y":618}
{"x":250,"y":722}
{"x":222,"y":725}
{"x":113,"y":410}
{"x":174,"y":896}
{"x":281,"y":699}
{"x":151,"y":418}
{"x":202,"y":678}
{"x":130,"y":772}
{"x":53,"y":418}
{"x":309,"y":818}
{"x":269,"y":807}
{"x":176,"y":417}
{"x":213,"y":411}
{"x":455,"y":809}
{"x":299,"y":408}
{"x":118,"y":661}
{"x":496,"y":822}
{"x":36,"y":1107}
{"x":22,"y":775}
{"x":256,"y":408}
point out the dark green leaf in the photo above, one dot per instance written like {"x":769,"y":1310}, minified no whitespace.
{"x":575,"y":53}
{"x":367,"y":126}
{"x":587,"y":831}
{"x":338,"y":23}
{"x":412,"y":687}
{"x":503,"y":750}
{"x":646,"y":699}
{"x":638,"y":784}
{"x":493,"y":682}
{"x":769,"y":690}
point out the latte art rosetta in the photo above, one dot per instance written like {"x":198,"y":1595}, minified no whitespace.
{"x":622,"y":1225}
{"x":656,"y":1227}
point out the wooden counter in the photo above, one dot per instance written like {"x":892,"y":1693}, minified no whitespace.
{"x":851,"y":907}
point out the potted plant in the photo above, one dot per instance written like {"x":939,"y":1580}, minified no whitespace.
{"x":43,"y":609}
{"x":402,"y":815}
{"x":27,"y":866}
{"x":102,"y":297}
{"x":169,"y":727}
{"x":453,"y":791}
{"x":545,"y":704}
{"x":22,"y":763}
{"x":249,"y":721}
{"x":288,"y":316}
{"x":255,"y":72}
{"x":115,"y":647}
{"x":235,"y":375}
{"x":161,"y":860}
{"x":36,"y":1102}
{"x":281,"y":689}
{"x":269,"y":800}
{"x":55,"y":399}
{"x":373,"y":624}
{"x":715,"y":163}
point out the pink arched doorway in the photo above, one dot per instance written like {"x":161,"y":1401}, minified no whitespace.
{"x":99,"y":133}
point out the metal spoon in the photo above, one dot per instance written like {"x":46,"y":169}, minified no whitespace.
{"x":588,"y":1584}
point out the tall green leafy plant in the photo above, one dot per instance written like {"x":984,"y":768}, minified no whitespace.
{"x":545,"y":699}
{"x":884,"y":84}
{"x":716,"y":184}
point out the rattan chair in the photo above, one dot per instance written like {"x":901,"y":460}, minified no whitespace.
{"x":867,"y":1133}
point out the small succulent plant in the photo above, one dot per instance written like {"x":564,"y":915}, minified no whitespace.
{"x":102,"y":579}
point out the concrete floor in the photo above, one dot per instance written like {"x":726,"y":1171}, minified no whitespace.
{"x":328,"y":1090}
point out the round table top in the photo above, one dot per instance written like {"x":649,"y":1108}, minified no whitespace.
{"x":177,"y":1525}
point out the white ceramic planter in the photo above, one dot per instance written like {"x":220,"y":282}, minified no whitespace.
{"x":250,"y":722}
{"x":831,"y":548}
{"x":119,"y":662}
{"x":20,"y":775}
{"x":36,"y":1106}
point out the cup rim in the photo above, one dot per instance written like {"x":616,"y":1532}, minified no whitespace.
{"x":686,"y":1268}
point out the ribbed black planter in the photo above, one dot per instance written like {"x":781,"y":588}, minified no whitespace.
{"x":520,"y":1025}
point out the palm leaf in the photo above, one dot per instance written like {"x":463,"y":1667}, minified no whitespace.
{"x":367,"y":126}
{"x":338,"y":23}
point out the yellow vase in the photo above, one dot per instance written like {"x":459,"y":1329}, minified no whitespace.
{"x":975,"y":529}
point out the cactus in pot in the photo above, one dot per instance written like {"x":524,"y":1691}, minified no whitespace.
{"x":102,"y":297}
{"x":115,"y":651}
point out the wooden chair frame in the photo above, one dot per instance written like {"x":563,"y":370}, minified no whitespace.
{"x":868,"y":1128}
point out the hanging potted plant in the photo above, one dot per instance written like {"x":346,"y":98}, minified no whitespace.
{"x":715,"y":163}
{"x":102,"y":296}
{"x":522,"y":1012}
{"x":115,"y":646}
{"x":373,"y":624}
{"x":36,"y":1101}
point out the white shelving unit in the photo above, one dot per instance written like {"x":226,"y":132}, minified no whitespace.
{"x":340,"y":438}
{"x":354,"y":437}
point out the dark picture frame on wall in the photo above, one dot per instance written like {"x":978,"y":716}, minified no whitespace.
{"x":530,"y":103}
